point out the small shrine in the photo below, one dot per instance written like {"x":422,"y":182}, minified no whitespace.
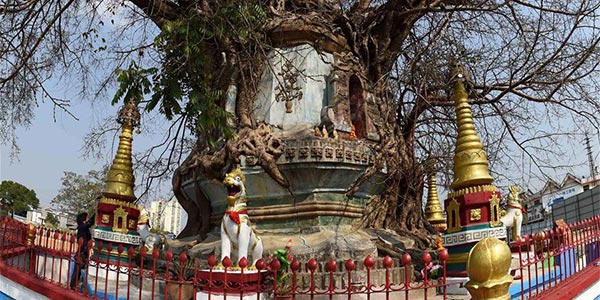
{"x":473,"y":205}
{"x":117,"y":215}
{"x":433,"y":208}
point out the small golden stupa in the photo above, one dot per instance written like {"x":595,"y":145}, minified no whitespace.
{"x":117,"y":214}
{"x":470,"y":159}
{"x":433,"y":208}
{"x":120,"y":180}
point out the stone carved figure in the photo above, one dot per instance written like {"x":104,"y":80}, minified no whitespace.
{"x":324,"y":132}
{"x":236,"y":228}
{"x":150,"y":239}
{"x":513,"y":216}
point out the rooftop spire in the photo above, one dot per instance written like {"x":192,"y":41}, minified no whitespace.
{"x":470,"y":159}
{"x":120,"y":180}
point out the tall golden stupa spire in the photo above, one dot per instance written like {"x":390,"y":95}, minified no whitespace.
{"x":470,"y":159}
{"x":433,"y":208}
{"x":120,"y":180}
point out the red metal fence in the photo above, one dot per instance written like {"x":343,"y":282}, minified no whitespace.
{"x":551,"y":258}
{"x":543,"y":262}
{"x":50,"y":257}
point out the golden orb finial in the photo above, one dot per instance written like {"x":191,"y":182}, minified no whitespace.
{"x":470,"y":159}
{"x":433,"y":208}
{"x":488,"y":266}
{"x":120,"y":180}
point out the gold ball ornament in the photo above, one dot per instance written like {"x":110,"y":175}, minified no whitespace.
{"x":488,"y":265}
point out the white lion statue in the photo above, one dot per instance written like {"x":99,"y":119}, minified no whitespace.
{"x":236,"y":229}
{"x":150,"y":239}
{"x":513,"y":216}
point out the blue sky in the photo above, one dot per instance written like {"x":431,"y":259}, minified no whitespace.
{"x":49,"y":147}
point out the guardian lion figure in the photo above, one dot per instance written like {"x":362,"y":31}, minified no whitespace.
{"x":236,"y":229}
{"x":149,"y":239}
{"x":513,"y":216}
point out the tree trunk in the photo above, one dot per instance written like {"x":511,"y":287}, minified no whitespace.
{"x":199,"y":209}
{"x":399,"y":207}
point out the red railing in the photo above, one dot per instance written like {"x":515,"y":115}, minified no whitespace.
{"x":50,"y":256}
{"x":551,"y":258}
{"x":546,"y":261}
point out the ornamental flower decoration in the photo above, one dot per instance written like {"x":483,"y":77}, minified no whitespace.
{"x":434,"y":271}
{"x":284,"y":256}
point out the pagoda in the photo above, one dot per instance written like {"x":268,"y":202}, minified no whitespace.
{"x":433,"y":208}
{"x":473,"y":204}
{"x":117,"y":214}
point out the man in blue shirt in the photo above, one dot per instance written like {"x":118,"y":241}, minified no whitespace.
{"x":83,"y":232}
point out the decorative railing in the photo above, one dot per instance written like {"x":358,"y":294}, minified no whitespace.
{"x":552,"y":258}
{"x":50,"y":257}
{"x":43,"y":260}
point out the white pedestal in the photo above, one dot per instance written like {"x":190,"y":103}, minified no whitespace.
{"x":109,"y":272}
{"x":105,"y":281}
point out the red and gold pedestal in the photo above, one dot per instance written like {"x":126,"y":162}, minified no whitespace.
{"x":472,"y":214}
{"x":116,"y":223}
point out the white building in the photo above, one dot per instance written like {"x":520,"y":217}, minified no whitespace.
{"x":540,"y":204}
{"x":38,"y":217}
{"x":166,"y":215}
{"x":569,"y":187}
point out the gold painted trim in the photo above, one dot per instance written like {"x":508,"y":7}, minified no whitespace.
{"x":120,"y":213}
{"x":472,"y":189}
{"x":475,"y":214}
{"x":453,"y":216}
{"x":495,"y":211}
{"x":288,"y":216}
{"x":118,"y":202}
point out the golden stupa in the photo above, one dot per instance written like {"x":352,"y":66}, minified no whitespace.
{"x":120,"y":180}
{"x":470,"y":159}
{"x":433,"y":208}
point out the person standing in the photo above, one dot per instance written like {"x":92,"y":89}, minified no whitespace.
{"x":83,"y":232}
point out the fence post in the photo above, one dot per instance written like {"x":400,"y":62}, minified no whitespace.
{"x":487,"y":266}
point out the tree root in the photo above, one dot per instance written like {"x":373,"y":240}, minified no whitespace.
{"x":260,"y":143}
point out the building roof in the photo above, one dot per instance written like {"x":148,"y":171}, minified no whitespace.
{"x":568,"y":180}
{"x":590,"y":180}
